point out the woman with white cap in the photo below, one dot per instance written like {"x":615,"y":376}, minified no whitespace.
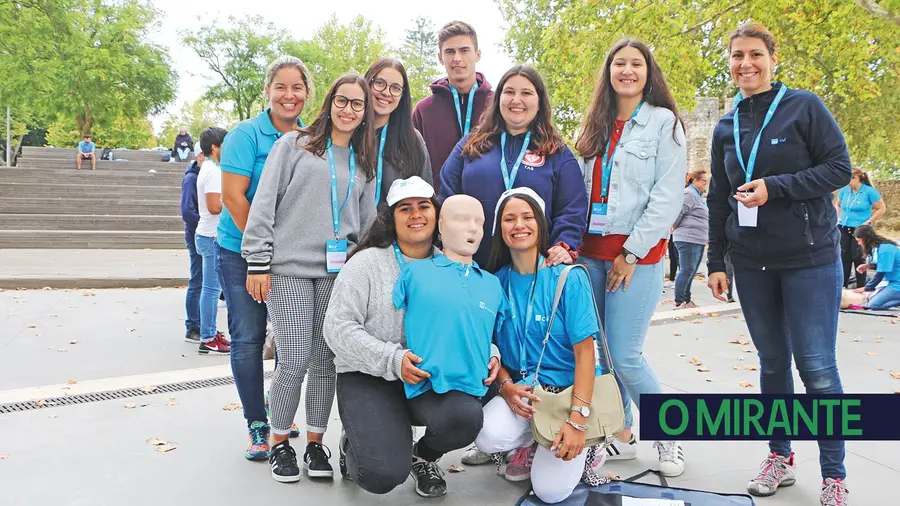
{"x":366,"y":333}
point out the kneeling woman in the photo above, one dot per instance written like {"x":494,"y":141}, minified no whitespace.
{"x":367,"y":336}
{"x":520,"y":237}
{"x":885,"y":260}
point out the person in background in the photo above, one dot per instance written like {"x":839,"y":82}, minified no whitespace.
{"x":183,"y":146}
{"x":776,"y":158}
{"x":885,"y":257}
{"x":858,"y":203}
{"x":190,"y":215}
{"x":457,"y":101}
{"x":209,"y":204}
{"x":287,"y":86}
{"x":691,"y":234}
{"x":401,"y":149}
{"x":87,"y":150}
{"x":673,"y":262}
{"x":634,"y":157}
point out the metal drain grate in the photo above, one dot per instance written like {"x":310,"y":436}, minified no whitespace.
{"x":111,"y":395}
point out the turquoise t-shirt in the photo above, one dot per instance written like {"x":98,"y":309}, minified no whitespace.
{"x":86,"y":147}
{"x":575,"y":321}
{"x":887,"y":260}
{"x":856,"y":207}
{"x":244,"y":152}
{"x":452,"y":311}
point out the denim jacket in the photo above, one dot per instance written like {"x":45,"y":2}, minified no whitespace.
{"x":647,"y":180}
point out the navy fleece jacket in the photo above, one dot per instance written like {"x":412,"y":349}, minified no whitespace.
{"x":803,"y":159}
{"x":556,"y":178}
{"x":190,"y":213}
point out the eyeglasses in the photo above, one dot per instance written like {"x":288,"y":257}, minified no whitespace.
{"x":379,"y":84}
{"x":341,"y":102}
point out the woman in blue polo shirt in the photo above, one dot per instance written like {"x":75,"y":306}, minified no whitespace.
{"x":518,"y":250}
{"x":516,"y":145}
{"x":858,"y":203}
{"x":885,"y":256}
{"x":244,"y":153}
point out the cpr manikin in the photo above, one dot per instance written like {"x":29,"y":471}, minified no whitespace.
{"x":452,"y":305}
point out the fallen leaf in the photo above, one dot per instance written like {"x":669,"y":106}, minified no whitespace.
{"x":165,"y":448}
{"x":696,"y":361}
{"x":749,"y":351}
{"x":148,"y":388}
{"x":131,"y":330}
{"x":172,"y":402}
{"x":895,"y":375}
{"x":745,"y":384}
{"x":741,"y":342}
{"x":842,"y":331}
{"x":32,"y":326}
{"x":697,"y":339}
{"x":741,"y":359}
{"x":871,"y":354}
{"x":130,"y":405}
{"x":695,"y":322}
{"x":703,"y":369}
{"x":86,"y":293}
{"x":234,"y":406}
{"x":157,"y":442}
{"x":709,"y":380}
{"x":714,"y":314}
{"x":52,"y":415}
{"x":72,"y":382}
{"x":5,"y":456}
{"x":61,"y":350}
{"x":751,"y":368}
{"x":677,"y":334}
{"x":879,"y":368}
{"x":39,"y":403}
{"x":456,"y":469}
{"x":857,"y":340}
{"x":735,"y":367}
{"x":74,"y":341}
{"x":682,"y":355}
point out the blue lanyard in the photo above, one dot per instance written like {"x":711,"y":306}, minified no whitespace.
{"x":523,"y":363}
{"x":751,"y":162}
{"x":397,"y":253}
{"x":510,"y":179}
{"x":464,"y":130}
{"x":607,"y":161}
{"x":698,"y":194}
{"x":335,"y":211}
{"x":846,"y":215}
{"x":380,"y":165}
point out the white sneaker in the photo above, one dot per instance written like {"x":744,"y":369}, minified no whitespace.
{"x":774,"y":472}
{"x":474,"y":457}
{"x":671,"y":458}
{"x":621,"y":450}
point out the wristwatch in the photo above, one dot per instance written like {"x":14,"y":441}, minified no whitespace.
{"x":630,"y":258}
{"x":584,"y":411}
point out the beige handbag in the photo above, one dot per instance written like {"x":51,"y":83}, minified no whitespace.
{"x":607,"y":414}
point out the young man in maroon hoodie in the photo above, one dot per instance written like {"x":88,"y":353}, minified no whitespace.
{"x":457,"y":100}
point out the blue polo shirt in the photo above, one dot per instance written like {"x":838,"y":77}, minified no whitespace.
{"x":244,"y":152}
{"x":86,"y":147}
{"x":452,"y":311}
{"x":856,"y":207}
{"x":575,"y":321}
{"x":888,"y":262}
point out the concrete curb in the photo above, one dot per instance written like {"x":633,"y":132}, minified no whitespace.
{"x":90,"y":283}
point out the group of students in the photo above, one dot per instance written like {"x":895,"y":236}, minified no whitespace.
{"x":346,"y":226}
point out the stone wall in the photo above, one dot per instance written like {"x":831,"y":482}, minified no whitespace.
{"x":699,"y":125}
{"x":890,"y":192}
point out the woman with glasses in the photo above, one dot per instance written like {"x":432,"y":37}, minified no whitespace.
{"x":401,"y":149}
{"x":315,"y":198}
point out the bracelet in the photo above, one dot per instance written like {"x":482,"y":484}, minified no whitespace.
{"x":577,"y":426}
{"x":580,"y":399}
{"x":507,"y":380}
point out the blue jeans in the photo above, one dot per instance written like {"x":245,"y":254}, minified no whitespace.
{"x":796,"y":311}
{"x":209,"y":294}
{"x":626,"y":317}
{"x":689,"y":257}
{"x":885,"y":298}
{"x":192,"y":298}
{"x":247,"y":329}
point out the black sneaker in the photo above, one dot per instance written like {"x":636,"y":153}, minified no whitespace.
{"x":429,"y":477}
{"x":192,"y":336}
{"x":283,"y":461}
{"x":343,"y":445}
{"x":316,"y":461}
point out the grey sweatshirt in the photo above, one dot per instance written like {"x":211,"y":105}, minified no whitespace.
{"x":692,"y":224}
{"x":290,"y":219}
{"x":362,"y":327}
{"x":391,"y":174}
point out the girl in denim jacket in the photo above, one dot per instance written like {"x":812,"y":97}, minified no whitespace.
{"x":633,"y":158}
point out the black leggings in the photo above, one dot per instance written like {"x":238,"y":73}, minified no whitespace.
{"x":378,"y":420}
{"x":673,"y":259}
{"x":851,"y":256}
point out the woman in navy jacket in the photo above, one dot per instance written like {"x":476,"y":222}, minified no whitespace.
{"x":770,"y":202}
{"x":516,"y":132}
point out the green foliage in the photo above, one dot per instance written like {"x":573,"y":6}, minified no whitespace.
{"x":195,"y":117}
{"x":238,"y":55}
{"x":843,"y":53}
{"x":419,"y":56}
{"x":124,"y":132}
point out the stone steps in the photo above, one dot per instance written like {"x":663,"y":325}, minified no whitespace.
{"x":45,"y":190}
{"x":90,"y":239}
{"x":108,"y":207}
{"x":66,"y":163}
{"x":30,"y":152}
{"x":84,"y":222}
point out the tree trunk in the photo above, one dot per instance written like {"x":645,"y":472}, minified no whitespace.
{"x":874,"y":8}
{"x":84,"y":120}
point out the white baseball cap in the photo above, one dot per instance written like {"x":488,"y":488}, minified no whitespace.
{"x":409,"y":188}
{"x":523,"y":190}
{"x":197,"y":150}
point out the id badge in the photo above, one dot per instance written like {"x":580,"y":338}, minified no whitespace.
{"x":599,"y":219}
{"x":747,"y":216}
{"x":335,"y":255}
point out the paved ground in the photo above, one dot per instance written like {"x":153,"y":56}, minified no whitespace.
{"x":97,"y":454}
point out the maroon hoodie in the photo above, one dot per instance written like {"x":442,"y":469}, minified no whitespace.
{"x":435,"y":118}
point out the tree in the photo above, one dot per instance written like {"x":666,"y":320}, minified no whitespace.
{"x":889,"y":9}
{"x":239,"y":56}
{"x":838,"y":51}
{"x":124,"y":132}
{"x":419,"y":54}
{"x":195,"y":117}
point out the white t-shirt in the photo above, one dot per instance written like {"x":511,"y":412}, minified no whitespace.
{"x":208,"y":181}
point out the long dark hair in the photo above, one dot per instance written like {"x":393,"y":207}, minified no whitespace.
{"x":383,"y":230}
{"x":500,"y":254}
{"x":600,"y":117}
{"x":870,"y":238}
{"x":401,"y":148}
{"x":543,"y":134}
{"x":363,"y":140}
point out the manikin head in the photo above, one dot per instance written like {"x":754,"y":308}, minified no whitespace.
{"x":461,"y":225}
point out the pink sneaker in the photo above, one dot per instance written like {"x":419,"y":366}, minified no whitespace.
{"x":519,"y":468}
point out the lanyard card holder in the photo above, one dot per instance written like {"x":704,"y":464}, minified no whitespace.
{"x":599,"y":218}
{"x":335,"y":255}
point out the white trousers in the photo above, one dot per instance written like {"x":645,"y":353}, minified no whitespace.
{"x":552,"y":478}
